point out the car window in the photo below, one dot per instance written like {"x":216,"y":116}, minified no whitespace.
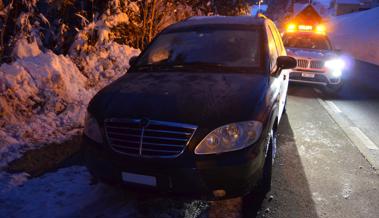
{"x":272,"y":49}
{"x":221,"y":47}
{"x":310,"y":41}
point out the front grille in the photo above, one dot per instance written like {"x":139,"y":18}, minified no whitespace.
{"x":302,"y":63}
{"x":147,"y":138}
{"x":317,"y":64}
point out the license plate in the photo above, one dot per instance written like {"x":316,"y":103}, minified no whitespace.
{"x":139,"y":179}
{"x":308,"y":75}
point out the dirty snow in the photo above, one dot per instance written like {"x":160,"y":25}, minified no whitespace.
{"x":69,"y":193}
{"x":358,"y":34}
{"x":43,"y":96}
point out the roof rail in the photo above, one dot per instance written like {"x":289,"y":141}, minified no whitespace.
{"x":260,"y":15}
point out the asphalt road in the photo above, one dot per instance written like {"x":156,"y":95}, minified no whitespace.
{"x":319,"y":172}
{"x":358,"y":103}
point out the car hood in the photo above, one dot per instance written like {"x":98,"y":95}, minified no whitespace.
{"x":204,"y":99}
{"x":310,"y":53}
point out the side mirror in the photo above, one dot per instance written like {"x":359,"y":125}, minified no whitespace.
{"x":132,"y":60}
{"x":286,"y":62}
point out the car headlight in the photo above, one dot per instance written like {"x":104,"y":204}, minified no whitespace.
{"x":336,"y":66}
{"x":92,"y":129}
{"x":230,"y":137}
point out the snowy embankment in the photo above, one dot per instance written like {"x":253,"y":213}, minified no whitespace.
{"x":44,"y":96}
{"x":357,"y":34}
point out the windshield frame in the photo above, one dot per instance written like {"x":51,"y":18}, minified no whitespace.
{"x":172,"y":29}
{"x":325,"y":37}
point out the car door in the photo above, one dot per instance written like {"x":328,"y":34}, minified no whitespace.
{"x":284,"y":73}
{"x":279,"y":78}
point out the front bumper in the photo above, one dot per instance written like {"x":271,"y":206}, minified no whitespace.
{"x":197,"y":178}
{"x":314,"y":77}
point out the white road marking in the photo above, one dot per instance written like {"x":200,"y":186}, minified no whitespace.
{"x":366,"y":141}
{"x":367,"y":148}
{"x":333,"y":107}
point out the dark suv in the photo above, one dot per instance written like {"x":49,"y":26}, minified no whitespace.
{"x":197,"y":112}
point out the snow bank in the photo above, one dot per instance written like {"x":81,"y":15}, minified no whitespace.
{"x":24,"y":49}
{"x":357,"y":34}
{"x":43,"y":98}
{"x":106,"y":62}
{"x":102,"y":60}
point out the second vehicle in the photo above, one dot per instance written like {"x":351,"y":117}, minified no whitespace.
{"x":317,"y":61}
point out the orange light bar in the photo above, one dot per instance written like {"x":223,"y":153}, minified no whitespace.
{"x":305,"y":27}
{"x":319,"y":29}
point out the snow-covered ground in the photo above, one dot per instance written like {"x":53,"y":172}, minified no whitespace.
{"x":69,"y":193}
{"x":357,"y":34}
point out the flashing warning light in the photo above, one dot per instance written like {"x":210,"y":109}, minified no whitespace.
{"x":320,"y":29}
{"x":291,"y":27}
{"x":305,"y":27}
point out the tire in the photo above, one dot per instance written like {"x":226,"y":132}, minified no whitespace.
{"x":269,"y":161}
{"x":252,"y":202}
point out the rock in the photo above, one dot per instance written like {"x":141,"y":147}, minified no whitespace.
{"x":267,"y":210}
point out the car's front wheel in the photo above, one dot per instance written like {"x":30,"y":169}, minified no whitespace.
{"x":269,"y":160}
{"x":252,"y":201}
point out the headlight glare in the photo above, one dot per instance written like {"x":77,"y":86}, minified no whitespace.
{"x":230,"y":137}
{"x":335,"y":64}
{"x":92,"y":129}
{"x":336,"y":73}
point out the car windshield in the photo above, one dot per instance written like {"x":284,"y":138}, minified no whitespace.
{"x":205,"y":47}
{"x":309,"y":41}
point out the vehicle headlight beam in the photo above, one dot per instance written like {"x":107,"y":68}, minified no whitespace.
{"x":336,"y":66}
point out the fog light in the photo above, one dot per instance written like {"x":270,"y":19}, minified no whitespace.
{"x":219,"y":193}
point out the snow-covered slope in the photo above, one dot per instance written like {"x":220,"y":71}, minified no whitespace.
{"x":357,"y":34}
{"x":43,"y":96}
